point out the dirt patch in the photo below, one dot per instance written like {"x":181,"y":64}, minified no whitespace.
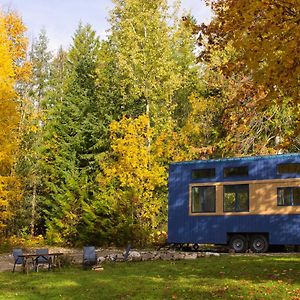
{"x":6,"y":262}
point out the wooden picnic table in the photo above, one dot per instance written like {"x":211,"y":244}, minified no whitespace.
{"x":33,"y":258}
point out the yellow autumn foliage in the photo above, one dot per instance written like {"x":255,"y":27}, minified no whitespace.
{"x":136,"y":167}
{"x":18,"y":45}
{"x":12,"y":70}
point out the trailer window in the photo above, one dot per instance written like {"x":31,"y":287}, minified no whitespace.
{"x":204,"y":173}
{"x":236,"y":198}
{"x":288,"y":196}
{"x":236,"y":171}
{"x":288,"y":168}
{"x":203,"y":199}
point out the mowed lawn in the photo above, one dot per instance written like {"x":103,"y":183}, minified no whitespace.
{"x":225,"y":277}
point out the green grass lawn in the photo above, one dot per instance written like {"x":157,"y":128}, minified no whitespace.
{"x":225,"y":277}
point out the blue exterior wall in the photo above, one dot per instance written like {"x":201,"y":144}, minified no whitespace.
{"x":183,"y":228}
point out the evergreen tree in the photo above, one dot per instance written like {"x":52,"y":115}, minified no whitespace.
{"x":57,"y":79}
{"x":28,"y":166}
{"x":70,"y":140}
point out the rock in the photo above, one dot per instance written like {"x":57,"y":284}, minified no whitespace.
{"x":148,"y":256}
{"x":155,"y":255}
{"x":200,"y":254}
{"x":190,"y":256}
{"x":111,"y":257}
{"x":167,"y":256}
{"x":101,"y":259}
{"x":134,"y":256}
{"x":211,"y":254}
{"x":119,"y":257}
{"x":178,"y":256}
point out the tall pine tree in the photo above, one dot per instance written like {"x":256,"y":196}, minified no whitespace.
{"x":28,"y":163}
{"x":70,"y":143}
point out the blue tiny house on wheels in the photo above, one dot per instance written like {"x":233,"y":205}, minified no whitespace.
{"x":249,"y":202}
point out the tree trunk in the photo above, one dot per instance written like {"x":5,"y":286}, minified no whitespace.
{"x":33,"y":208}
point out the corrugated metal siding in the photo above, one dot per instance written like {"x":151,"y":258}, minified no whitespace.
{"x":260,"y":167}
{"x":182,"y":228}
{"x":282,"y":229}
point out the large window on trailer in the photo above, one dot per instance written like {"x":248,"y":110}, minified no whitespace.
{"x":236,"y":198}
{"x":203,"y":199}
{"x":288,"y":196}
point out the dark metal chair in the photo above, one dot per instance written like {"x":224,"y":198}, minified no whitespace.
{"x":89,"y":256}
{"x":17,"y":259}
{"x":126,"y":253}
{"x":42,"y":260}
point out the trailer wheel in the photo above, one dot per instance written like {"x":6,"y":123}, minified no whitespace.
{"x":259,"y":243}
{"x":238,"y":243}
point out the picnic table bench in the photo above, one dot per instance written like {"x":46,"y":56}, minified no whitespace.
{"x":52,"y":258}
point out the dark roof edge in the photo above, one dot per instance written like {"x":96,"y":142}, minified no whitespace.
{"x":244,"y":158}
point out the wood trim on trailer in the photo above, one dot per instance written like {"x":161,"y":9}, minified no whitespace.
{"x":262,"y":197}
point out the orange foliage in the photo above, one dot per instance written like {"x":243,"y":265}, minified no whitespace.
{"x":267,"y":35}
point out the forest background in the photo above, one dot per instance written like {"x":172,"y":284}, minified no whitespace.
{"x":87,"y":134}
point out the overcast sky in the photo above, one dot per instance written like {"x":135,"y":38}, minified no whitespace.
{"x":60,"y":18}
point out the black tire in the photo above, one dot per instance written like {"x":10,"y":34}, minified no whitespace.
{"x":238,"y":243}
{"x":259,"y":243}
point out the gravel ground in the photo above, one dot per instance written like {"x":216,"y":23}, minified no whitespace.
{"x":7,"y":261}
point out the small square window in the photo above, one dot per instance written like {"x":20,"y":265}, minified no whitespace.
{"x":288,"y":196}
{"x":203,"y":199}
{"x":236,"y":198}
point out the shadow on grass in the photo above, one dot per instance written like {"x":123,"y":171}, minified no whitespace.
{"x":229,"y":277}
